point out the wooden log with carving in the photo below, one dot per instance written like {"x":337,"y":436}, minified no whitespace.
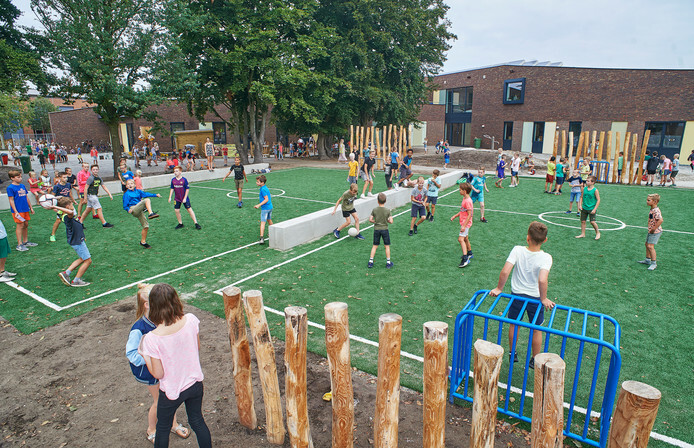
{"x":487,"y":366}
{"x":563,"y":144}
{"x":634,"y":416}
{"x":615,"y":163}
{"x":435,"y":379}
{"x":579,"y":150}
{"x":267,"y":368}
{"x":337,"y":347}
{"x":570,"y":149}
{"x":634,"y":150}
{"x":625,"y":158}
{"x":240,"y":357}
{"x":556,"y":144}
{"x":296,"y":334}
{"x":388,"y":382}
{"x":351,"y":138}
{"x":593,"y":148}
{"x":644,"y":145}
{"x":548,"y":402}
{"x":600,"y":146}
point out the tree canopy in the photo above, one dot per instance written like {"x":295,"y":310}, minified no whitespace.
{"x":19,"y":59}
{"x":38,"y":112}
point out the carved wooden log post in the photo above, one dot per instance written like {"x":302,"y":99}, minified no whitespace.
{"x":570,"y":154}
{"x":602,"y":142}
{"x":579,"y":150}
{"x":644,"y":145}
{"x":390,"y":137}
{"x":337,"y":347}
{"x":617,"y":148}
{"x":368,"y":138}
{"x":296,"y":334}
{"x":377,"y":139}
{"x":388,"y":385}
{"x":634,"y":416}
{"x":634,"y":149}
{"x":563,"y":144}
{"x":486,"y":398}
{"x":351,"y":138}
{"x":556,"y":144}
{"x":363,"y":140}
{"x":240,"y":357}
{"x":267,"y":369}
{"x":608,"y":147}
{"x":435,"y":379}
{"x":593,"y":147}
{"x":625,"y":159}
{"x":548,"y":411}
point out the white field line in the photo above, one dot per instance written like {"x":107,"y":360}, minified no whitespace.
{"x":273,"y":197}
{"x":36,"y":297}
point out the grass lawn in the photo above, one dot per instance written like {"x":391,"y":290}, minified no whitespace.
{"x":654,"y":308}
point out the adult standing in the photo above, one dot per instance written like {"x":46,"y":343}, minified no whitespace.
{"x":691,"y":159}
{"x":209,"y":153}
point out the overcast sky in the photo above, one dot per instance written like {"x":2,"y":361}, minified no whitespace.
{"x":579,"y":33}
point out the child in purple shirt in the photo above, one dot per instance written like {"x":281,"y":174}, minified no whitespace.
{"x":179,"y":190}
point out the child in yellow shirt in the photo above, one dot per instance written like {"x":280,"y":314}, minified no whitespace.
{"x":353,"y":166}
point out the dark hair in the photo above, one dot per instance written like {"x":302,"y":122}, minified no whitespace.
{"x":552,"y":159}
{"x":14,"y":173}
{"x":61,"y":174}
{"x":466,"y":187}
{"x":381,"y":198}
{"x":262,"y":178}
{"x":537,"y":232}
{"x":95,"y":165}
{"x":164,"y":305}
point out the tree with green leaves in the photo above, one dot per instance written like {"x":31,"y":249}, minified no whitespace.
{"x":19,"y":59}
{"x":107,"y":51}
{"x":13,"y":115}
{"x":38,"y":119}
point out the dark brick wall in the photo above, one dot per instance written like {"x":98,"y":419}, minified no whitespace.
{"x":596,"y":97}
{"x":433,"y":114}
{"x":72,"y":127}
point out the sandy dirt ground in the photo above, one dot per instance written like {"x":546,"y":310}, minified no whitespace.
{"x":70,"y":386}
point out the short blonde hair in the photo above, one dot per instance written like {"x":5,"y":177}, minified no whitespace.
{"x":655,"y":197}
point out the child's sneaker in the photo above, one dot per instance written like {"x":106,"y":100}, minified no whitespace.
{"x":145,"y":245}
{"x":153,"y":215}
{"x":431,"y":219}
{"x":464,"y":262}
{"x":30,"y":244}
{"x":4,"y":278}
{"x":261,"y":240}
{"x":515,"y":357}
{"x":51,"y":238}
{"x":360,"y":236}
{"x":389,"y":264}
{"x":470,"y":256}
{"x":336,"y":233}
{"x":370,"y":264}
{"x":198,"y":226}
{"x":531,"y":364}
{"x":95,"y":216}
{"x":578,"y":213}
{"x":21,"y":248}
{"x":64,"y":278}
{"x":363,"y":196}
{"x":644,"y":261}
{"x":483,"y":219}
{"x":415,"y":229}
{"x":428,"y":216}
{"x":179,"y":226}
{"x":79,"y":282}
{"x":240,"y":204}
{"x":411,"y":233}
{"x":652,"y":267}
{"x":568,"y":212}
{"x":107,"y":225}
{"x":370,"y":194}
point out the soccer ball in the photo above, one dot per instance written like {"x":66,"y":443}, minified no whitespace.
{"x":48,"y":201}
{"x":352,"y":231}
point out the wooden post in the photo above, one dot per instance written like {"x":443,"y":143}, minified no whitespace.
{"x":486,"y":398}
{"x":563,"y":144}
{"x":644,"y":145}
{"x":634,"y":149}
{"x":373,"y":140}
{"x":602,"y":141}
{"x":368,"y":138}
{"x":570,"y":149}
{"x":592,"y":145}
{"x":579,"y":150}
{"x":240,"y":357}
{"x":296,"y":334}
{"x":351,"y":138}
{"x":401,"y":136}
{"x":615,"y":157}
{"x":634,"y":416}
{"x":265,"y":356}
{"x":608,"y":148}
{"x":435,"y":379}
{"x":363,"y":140}
{"x":409,"y":136}
{"x":337,"y":347}
{"x":625,"y":158}
{"x":556,"y":144}
{"x":548,"y":411}
{"x":390,"y":138}
{"x":388,"y":385}
{"x":377,"y":138}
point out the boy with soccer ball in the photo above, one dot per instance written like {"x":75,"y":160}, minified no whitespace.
{"x":21,"y":209}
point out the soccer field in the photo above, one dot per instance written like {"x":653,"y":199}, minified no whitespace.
{"x":654,"y":308}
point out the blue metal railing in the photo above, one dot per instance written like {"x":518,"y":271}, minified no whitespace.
{"x":580,"y":344}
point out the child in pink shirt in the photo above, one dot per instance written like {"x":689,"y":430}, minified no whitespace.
{"x":171,"y":352}
{"x":138,"y":180}
{"x":465,"y":216}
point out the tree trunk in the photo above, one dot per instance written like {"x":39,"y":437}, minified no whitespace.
{"x":322,"y":146}
{"x":115,"y":146}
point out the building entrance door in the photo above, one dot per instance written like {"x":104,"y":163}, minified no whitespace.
{"x":538,"y":136}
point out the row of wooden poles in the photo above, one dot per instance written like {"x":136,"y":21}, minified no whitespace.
{"x":382,"y":140}
{"x":633,"y":419}
{"x":634,"y":165}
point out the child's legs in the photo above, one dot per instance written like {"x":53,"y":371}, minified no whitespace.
{"x":345,"y":224}
{"x":371,"y":185}
{"x":467,"y":244}
{"x":356,"y":220}
{"x":239,"y":191}
{"x":650,"y":251}
{"x":511,"y":334}
{"x":421,"y":219}
{"x":2,"y":263}
{"x":178,"y":215}
{"x":433,"y":208}
{"x":100,"y":214}
{"x":25,"y":231}
{"x":166,"y":410}
{"x":55,"y":226}
{"x":148,"y":204}
{"x":143,"y":238}
{"x":373,"y":250}
{"x":537,"y":342}
{"x":83,"y":266}
{"x":387,"y":246}
{"x":482,"y":209}
{"x":192,"y":215}
{"x":463,"y":246}
{"x":262,"y":228}
{"x":583,"y":227}
{"x":414,"y":218}
{"x":594,"y":224}
{"x":85,"y":213}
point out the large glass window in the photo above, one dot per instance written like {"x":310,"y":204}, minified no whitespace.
{"x":514,"y":91}
{"x":575,"y":127}
{"x":673,"y":135}
{"x":538,"y":131}
{"x":176,"y":126}
{"x":666,"y":137}
{"x":460,"y":100}
{"x":508,"y":130}
{"x":219,"y":131}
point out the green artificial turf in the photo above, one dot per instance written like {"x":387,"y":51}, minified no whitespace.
{"x":654,"y":309}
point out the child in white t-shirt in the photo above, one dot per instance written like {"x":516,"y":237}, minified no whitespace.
{"x":529,"y":280}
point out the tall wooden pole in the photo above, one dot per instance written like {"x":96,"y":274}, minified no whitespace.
{"x":390,"y":138}
{"x":644,"y":145}
{"x":265,"y":356}
{"x":608,"y":148}
{"x":563,"y":144}
{"x":571,"y":149}
{"x":488,"y":358}
{"x":351,"y":138}
{"x":363,"y":140}
{"x":556,"y":144}
{"x":377,"y":138}
{"x":296,"y":334}
{"x":402,"y":141}
{"x":579,"y":150}
{"x":634,"y":416}
{"x":602,"y":142}
{"x":388,"y":385}
{"x":634,"y":149}
{"x":625,"y":158}
{"x":409,"y":136}
{"x":615,"y":165}
{"x":337,"y":347}
{"x":435,"y":378}
{"x":593,"y":147}
{"x":240,"y":356}
{"x":368,"y":138}
{"x":548,"y":411}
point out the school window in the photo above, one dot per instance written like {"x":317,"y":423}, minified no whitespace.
{"x":176,"y":126}
{"x":460,"y":100}
{"x":575,"y":127}
{"x":514,"y":91}
{"x":508,"y":130}
{"x":219,"y":131}
{"x":538,"y":131}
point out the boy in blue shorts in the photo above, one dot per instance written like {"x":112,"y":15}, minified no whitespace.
{"x":76,"y":240}
{"x":418,"y":197}
{"x":405,"y":171}
{"x":265,"y":206}
{"x":479,"y":186}
{"x":433,"y":187}
{"x":381,"y":217}
{"x":500,"y":171}
{"x":21,"y":209}
{"x":575,"y":182}
{"x":446,"y":156}
{"x":529,"y":280}
{"x":179,"y":189}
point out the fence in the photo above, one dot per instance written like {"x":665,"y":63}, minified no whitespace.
{"x":636,"y":409}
